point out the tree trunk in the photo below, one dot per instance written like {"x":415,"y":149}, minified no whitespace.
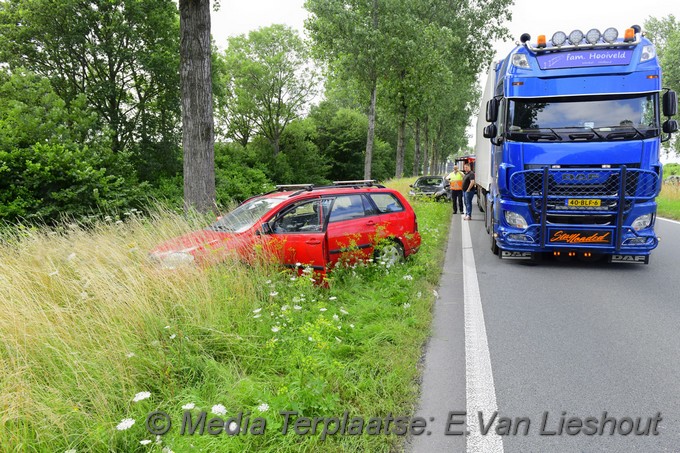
{"x":401,"y":145}
{"x":427,"y":146}
{"x":416,"y":157}
{"x":198,"y":138}
{"x":368,"y":159}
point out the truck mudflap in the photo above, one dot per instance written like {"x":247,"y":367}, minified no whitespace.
{"x":635,"y":259}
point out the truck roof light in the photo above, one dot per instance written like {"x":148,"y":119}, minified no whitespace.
{"x":629,"y":35}
{"x":593,"y":36}
{"x":559,"y":38}
{"x":541,"y":41}
{"x":575,"y":37}
{"x":610,"y":35}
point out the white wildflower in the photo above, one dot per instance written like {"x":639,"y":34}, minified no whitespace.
{"x":407,"y":305}
{"x":284,"y":307}
{"x":338,"y":340}
{"x":336,"y":317}
{"x":71,"y":256}
{"x":351,"y":326}
{"x":436,"y":294}
{"x":264,"y":407}
{"x":275,"y":329}
{"x":257,"y":310}
{"x":298,"y":264}
{"x":72,"y":450}
{"x":310,"y":338}
{"x":332,"y":298}
{"x":124,"y":424}
{"x":419,"y":295}
{"x":141,"y":396}
{"x":297,"y":307}
{"x":408,"y":277}
{"x":257,"y":316}
{"x":188,"y":406}
{"x":323,"y":309}
{"x":273,"y":294}
{"x":166,"y":327}
{"x":53,"y":274}
{"x":293,"y":279}
{"x":343,"y":311}
{"x":167,"y":450}
{"x":173,"y":336}
{"x":145,"y":442}
{"x":130,"y":355}
{"x":219,"y":409}
{"x":267,"y":282}
{"x":233,"y":427}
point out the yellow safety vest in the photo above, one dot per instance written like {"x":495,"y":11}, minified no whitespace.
{"x":456,"y":180}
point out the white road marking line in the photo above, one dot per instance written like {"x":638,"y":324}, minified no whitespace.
{"x":480,"y":392}
{"x":668,"y":220}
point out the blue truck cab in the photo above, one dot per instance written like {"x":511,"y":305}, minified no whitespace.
{"x":574,"y":129}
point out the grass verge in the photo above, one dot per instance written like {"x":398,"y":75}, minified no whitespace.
{"x":89,"y":327}
{"x":668,"y":202}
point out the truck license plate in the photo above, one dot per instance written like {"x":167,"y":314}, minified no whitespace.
{"x":584,"y":202}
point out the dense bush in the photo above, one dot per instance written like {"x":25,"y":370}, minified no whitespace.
{"x":51,"y":162}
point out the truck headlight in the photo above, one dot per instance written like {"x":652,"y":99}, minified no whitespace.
{"x":515,"y":220}
{"x":647,"y":54}
{"x":520,"y":60}
{"x":642,"y":222}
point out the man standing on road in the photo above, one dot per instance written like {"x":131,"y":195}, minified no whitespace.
{"x":468,"y":190}
{"x":456,"y":181}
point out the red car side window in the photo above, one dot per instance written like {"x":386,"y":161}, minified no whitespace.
{"x":386,"y":202}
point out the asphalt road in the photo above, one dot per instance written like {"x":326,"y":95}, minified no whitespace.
{"x":558,"y":339}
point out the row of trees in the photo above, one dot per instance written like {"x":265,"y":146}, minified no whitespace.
{"x":93,"y":96}
{"x":665,"y":34}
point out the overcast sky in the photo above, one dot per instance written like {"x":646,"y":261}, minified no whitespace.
{"x":236,"y":17}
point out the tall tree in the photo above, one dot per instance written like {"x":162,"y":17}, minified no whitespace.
{"x":349,"y":32}
{"x":121,"y":54}
{"x":272,"y":81}
{"x":665,"y":34}
{"x":197,"y":105}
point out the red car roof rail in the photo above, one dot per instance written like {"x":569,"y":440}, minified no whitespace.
{"x":356,"y":182}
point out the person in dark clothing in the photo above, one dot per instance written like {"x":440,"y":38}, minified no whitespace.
{"x":468,"y":191}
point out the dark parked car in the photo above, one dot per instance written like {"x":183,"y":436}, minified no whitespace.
{"x":436,"y":187}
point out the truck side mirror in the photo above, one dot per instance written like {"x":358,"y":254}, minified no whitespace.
{"x":492,"y":111}
{"x":490,"y":131}
{"x":670,"y":103}
{"x":670,"y":126}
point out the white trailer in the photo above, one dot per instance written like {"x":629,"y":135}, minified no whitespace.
{"x":483,"y":145}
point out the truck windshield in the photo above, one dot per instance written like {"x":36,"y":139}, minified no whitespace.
{"x":632,"y":117}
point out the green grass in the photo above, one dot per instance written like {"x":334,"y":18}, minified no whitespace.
{"x":87,"y":323}
{"x":669,"y":202}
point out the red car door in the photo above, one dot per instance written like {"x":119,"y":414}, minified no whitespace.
{"x":351,"y":228}
{"x":297,"y":235}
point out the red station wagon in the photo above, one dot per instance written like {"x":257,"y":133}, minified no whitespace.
{"x":305,"y":225}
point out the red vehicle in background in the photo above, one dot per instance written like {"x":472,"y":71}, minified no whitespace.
{"x":303,"y":225}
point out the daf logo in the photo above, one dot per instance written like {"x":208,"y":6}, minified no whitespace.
{"x":579,"y":176}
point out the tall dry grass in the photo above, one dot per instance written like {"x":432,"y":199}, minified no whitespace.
{"x":76,"y":307}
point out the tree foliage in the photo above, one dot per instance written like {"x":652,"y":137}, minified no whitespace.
{"x":270,"y":80}
{"x":665,"y":34}
{"x":121,"y":54}
{"x":50,"y":164}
